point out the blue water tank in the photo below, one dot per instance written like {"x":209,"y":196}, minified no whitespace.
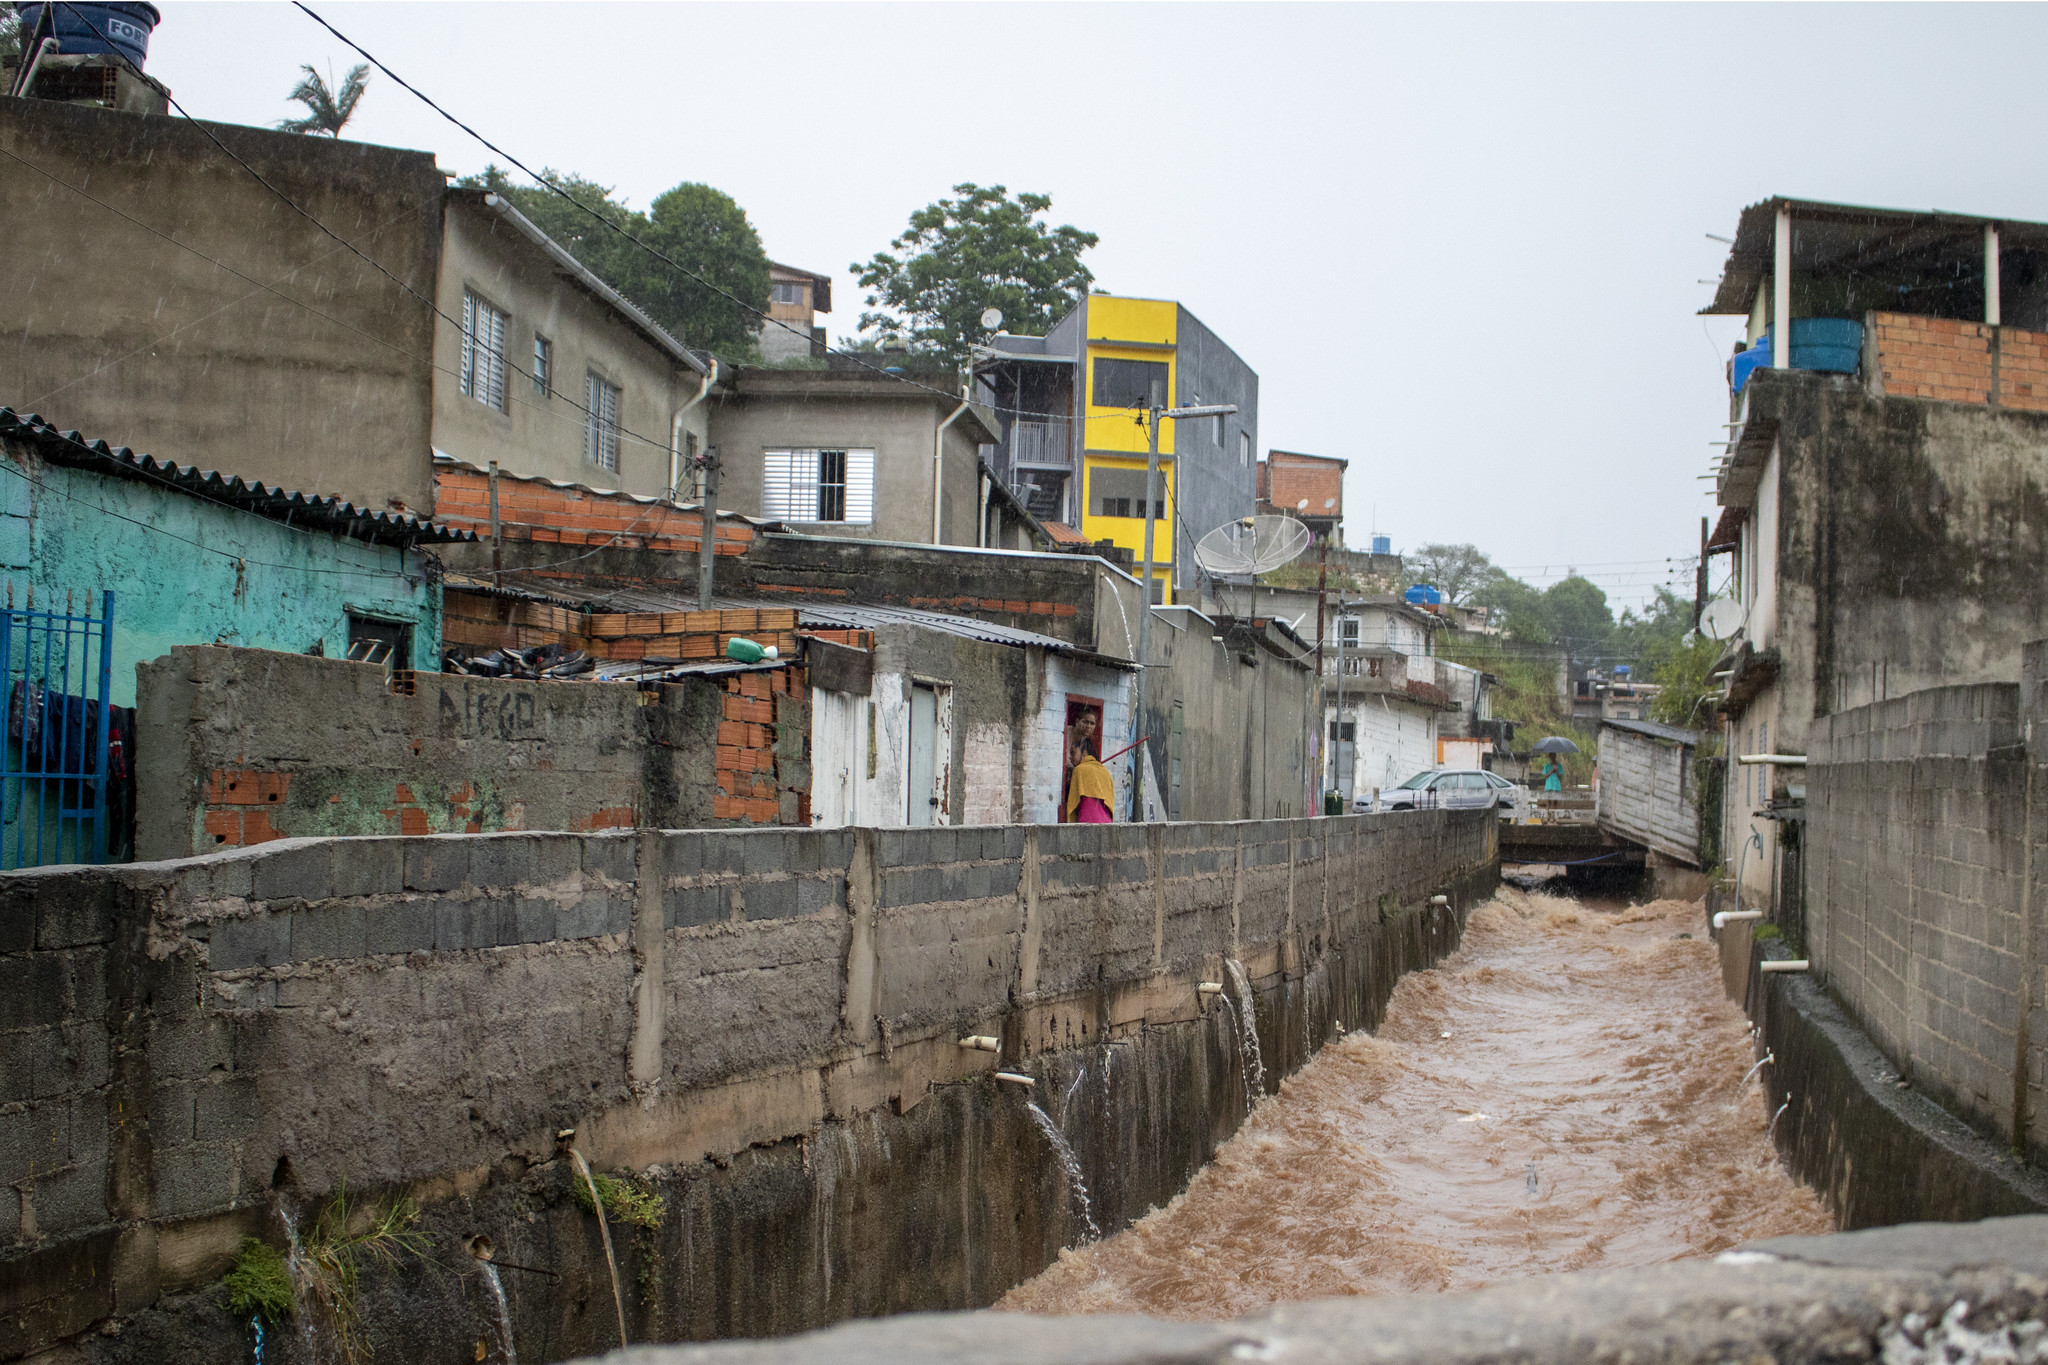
{"x":1423,"y":595}
{"x":1832,"y":345}
{"x":1383,"y":545}
{"x":85,"y":30}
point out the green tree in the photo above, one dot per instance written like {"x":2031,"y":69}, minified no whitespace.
{"x":1515,"y":608}
{"x":962,"y":256}
{"x":327,"y":110}
{"x":1578,"y":616}
{"x":1685,"y":675}
{"x":694,"y":225}
{"x":719,"y":305}
{"x":1457,"y":571}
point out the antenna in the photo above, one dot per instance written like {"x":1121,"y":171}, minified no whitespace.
{"x":1251,"y":546}
{"x":1722,"y":618}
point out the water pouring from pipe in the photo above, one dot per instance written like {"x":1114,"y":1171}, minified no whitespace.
{"x":604,"y":1232}
{"x":1070,"y":1167}
{"x":481,"y":1248}
{"x":1248,"y":1034}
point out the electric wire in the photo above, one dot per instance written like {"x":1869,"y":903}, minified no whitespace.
{"x":549,"y":185}
{"x":368,"y":259}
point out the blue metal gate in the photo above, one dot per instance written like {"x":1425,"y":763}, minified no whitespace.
{"x":54,"y":762}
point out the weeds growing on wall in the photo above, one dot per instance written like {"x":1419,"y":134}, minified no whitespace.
{"x":259,"y":1285}
{"x":625,"y":1200}
{"x":344,"y":1241}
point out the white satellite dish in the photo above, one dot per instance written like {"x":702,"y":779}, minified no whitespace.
{"x":991,"y":318}
{"x":1722,"y":618}
{"x":1253,"y":545}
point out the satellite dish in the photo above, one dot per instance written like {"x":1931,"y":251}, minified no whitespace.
{"x":991,"y":318}
{"x":1254,"y":545}
{"x":1722,"y":618}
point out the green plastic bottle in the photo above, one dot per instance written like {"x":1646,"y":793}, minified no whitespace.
{"x":744,"y":651}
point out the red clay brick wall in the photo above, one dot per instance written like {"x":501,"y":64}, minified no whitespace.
{"x":530,"y":509}
{"x":1961,"y":362}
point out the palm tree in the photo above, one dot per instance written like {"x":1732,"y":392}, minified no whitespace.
{"x":326,"y":110}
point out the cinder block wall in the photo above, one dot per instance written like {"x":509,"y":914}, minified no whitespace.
{"x":241,"y":746}
{"x":188,"y":1043}
{"x":1917,"y":903}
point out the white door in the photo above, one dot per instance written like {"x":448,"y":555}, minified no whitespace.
{"x":924,"y":757}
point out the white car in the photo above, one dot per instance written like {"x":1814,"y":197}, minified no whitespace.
{"x":1451,"y":789}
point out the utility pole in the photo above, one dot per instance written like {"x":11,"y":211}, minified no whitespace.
{"x":1156,"y":410}
{"x":1337,"y":745}
{"x":707,"y":546}
{"x":1322,"y":610}
{"x":1699,"y":579}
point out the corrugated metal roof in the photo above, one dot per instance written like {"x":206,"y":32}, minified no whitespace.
{"x":818,"y":615}
{"x":1674,"y":733}
{"x":635,"y":671}
{"x":306,"y":511}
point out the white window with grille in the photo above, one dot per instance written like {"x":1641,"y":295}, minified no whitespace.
{"x":601,"y":423}
{"x":818,"y":485}
{"x":483,"y":351}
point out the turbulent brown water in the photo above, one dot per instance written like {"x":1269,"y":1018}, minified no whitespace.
{"x":1564,"y":1093}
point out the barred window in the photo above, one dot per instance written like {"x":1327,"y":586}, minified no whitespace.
{"x":483,"y":351}
{"x":601,"y":423}
{"x":819,"y":485}
{"x":543,"y":366}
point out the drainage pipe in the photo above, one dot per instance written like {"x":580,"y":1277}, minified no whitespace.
{"x":981,"y":1043}
{"x":675,"y":433}
{"x":1791,"y":964}
{"x":1723,"y":918}
{"x":1016,"y":1078}
{"x":939,"y":465}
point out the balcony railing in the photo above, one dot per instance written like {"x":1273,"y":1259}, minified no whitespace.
{"x":1042,"y":442}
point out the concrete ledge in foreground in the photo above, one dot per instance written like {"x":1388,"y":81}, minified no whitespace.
{"x":1932,"y":1292}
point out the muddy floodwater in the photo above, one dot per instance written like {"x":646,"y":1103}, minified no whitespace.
{"x":1565,"y":1093}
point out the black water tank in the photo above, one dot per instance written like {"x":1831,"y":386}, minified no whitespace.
{"x":83,"y":30}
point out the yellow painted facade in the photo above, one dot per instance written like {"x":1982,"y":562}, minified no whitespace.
{"x":1130,"y":329}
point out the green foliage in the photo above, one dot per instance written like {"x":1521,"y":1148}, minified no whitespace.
{"x":10,"y":33}
{"x":1685,"y":674}
{"x":1765,"y":932}
{"x":1515,"y":608}
{"x":696,"y":226}
{"x":327,"y":110}
{"x":1525,"y":693}
{"x":1459,"y":572}
{"x":1576,"y":611}
{"x":625,"y":1200}
{"x":961,"y":256}
{"x":343,"y":1241}
{"x":260,"y":1283}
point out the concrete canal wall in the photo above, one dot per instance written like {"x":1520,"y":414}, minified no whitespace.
{"x":762,"y":1027}
{"x":1927,"y":1293}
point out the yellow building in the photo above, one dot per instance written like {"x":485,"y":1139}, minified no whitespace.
{"x":1075,"y":436}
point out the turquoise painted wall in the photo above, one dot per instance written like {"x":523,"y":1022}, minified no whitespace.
{"x":270,"y":587}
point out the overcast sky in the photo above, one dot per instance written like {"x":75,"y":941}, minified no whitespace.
{"x":1461,"y":244}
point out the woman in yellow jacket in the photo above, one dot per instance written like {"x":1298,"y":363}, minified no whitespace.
{"x":1091,"y":791}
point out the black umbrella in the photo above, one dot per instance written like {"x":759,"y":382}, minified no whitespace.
{"x":1555,"y":744}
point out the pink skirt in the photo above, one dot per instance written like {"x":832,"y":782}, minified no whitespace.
{"x":1093,"y":812}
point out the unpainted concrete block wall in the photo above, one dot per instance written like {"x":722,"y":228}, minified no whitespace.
{"x":1917,"y":903}
{"x":190,"y":1041}
{"x":240,"y":746}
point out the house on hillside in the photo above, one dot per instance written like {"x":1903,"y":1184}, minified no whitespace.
{"x":1870,"y":477}
{"x":1309,"y":488}
{"x":795,"y":298}
{"x":146,"y":555}
{"x":548,"y":371}
{"x":460,"y":328}
{"x":1073,"y":446}
{"x":865,"y":448}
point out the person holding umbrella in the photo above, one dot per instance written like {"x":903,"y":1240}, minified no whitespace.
{"x":1553,"y":745}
